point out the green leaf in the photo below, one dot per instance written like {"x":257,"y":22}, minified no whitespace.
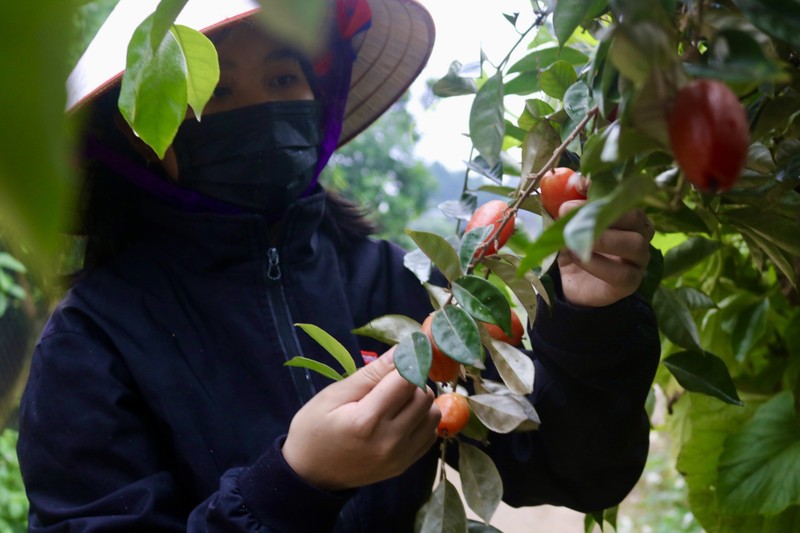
{"x":524,"y":83}
{"x":333,"y":346}
{"x":594,"y":217}
{"x":538,"y":147}
{"x":750,"y":328}
{"x":316,"y":366}
{"x":515,"y":368}
{"x":557,"y":78}
{"x":456,"y":334}
{"x":412,"y":358}
{"x":777,"y":18}
{"x":87,"y":20}
{"x":453,"y":84}
{"x":202,"y":66}
{"x":388,"y":329}
{"x":641,"y":48}
{"x":757,"y":241}
{"x":419,"y":264}
{"x":687,"y":254}
{"x":758,"y":471}
{"x":443,"y":512}
{"x":653,"y":275}
{"x":544,"y":57}
{"x":460,"y":209}
{"x":704,"y":373}
{"x":695,"y":299}
{"x":300,"y":23}
{"x":37,"y":186}
{"x":9,"y":262}
{"x":439,"y":296}
{"x":675,"y":320}
{"x":163,"y":19}
{"x":550,"y":241}
{"x":480,"y":481}
{"x":469,"y":244}
{"x":699,"y":427}
{"x":439,"y":251}
{"x":499,"y":413}
{"x":612,"y":145}
{"x":473,"y":526}
{"x":486,"y":124}
{"x":578,"y":100}
{"x":567,"y":16}
{"x":483,"y":301}
{"x":783,"y":232}
{"x":153,"y":96}
{"x":521,"y":286}
{"x":736,"y":57}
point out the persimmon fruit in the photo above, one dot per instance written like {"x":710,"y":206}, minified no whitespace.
{"x":709,"y":134}
{"x":491,"y":214}
{"x":443,"y":369}
{"x":560,"y":185}
{"x":517,"y":330}
{"x":455,"y":413}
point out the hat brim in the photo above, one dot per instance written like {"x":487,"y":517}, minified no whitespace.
{"x":390,"y":55}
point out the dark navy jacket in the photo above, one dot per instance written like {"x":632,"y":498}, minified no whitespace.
{"x":158,"y":399}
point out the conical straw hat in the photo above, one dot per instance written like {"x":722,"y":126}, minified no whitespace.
{"x":390,"y":53}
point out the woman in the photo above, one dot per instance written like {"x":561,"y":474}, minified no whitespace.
{"x":158,"y":399}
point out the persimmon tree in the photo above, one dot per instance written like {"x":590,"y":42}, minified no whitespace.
{"x":599,"y":82}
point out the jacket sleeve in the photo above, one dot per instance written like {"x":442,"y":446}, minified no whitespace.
{"x":594,"y":368}
{"x":92,"y":458}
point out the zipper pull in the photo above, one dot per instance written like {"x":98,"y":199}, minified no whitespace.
{"x":274,"y":269}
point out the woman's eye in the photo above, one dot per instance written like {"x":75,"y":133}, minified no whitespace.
{"x":284,"y":80}
{"x":221,"y":91}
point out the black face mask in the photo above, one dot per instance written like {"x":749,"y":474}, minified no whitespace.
{"x":259,"y":157}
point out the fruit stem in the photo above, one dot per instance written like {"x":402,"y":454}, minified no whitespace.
{"x":532,"y":183}
{"x":442,"y":460}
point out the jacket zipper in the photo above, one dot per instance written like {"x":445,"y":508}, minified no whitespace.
{"x":284,"y":326}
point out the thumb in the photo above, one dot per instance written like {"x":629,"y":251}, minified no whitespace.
{"x":568,"y":206}
{"x":356,"y":386}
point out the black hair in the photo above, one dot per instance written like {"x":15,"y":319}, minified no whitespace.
{"x":350,"y":220}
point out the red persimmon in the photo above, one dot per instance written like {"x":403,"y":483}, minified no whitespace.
{"x":709,"y":134}
{"x":443,"y":369}
{"x":561,"y":185}
{"x":455,"y":413}
{"x":491,"y":214}
{"x":517,"y":330}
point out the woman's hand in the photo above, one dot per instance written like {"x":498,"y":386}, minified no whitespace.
{"x":617,"y":265}
{"x":366,"y":428}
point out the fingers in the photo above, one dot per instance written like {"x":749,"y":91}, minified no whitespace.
{"x":568,"y":206}
{"x":636,"y":220}
{"x":630,"y":246}
{"x":620,"y":275}
{"x":391,"y":396}
{"x":355,"y":387}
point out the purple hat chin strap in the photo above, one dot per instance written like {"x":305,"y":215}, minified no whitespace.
{"x":334,"y":89}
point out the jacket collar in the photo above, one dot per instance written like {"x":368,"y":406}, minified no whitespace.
{"x":211,"y":237}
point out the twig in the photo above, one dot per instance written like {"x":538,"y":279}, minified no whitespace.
{"x":531,"y":183}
